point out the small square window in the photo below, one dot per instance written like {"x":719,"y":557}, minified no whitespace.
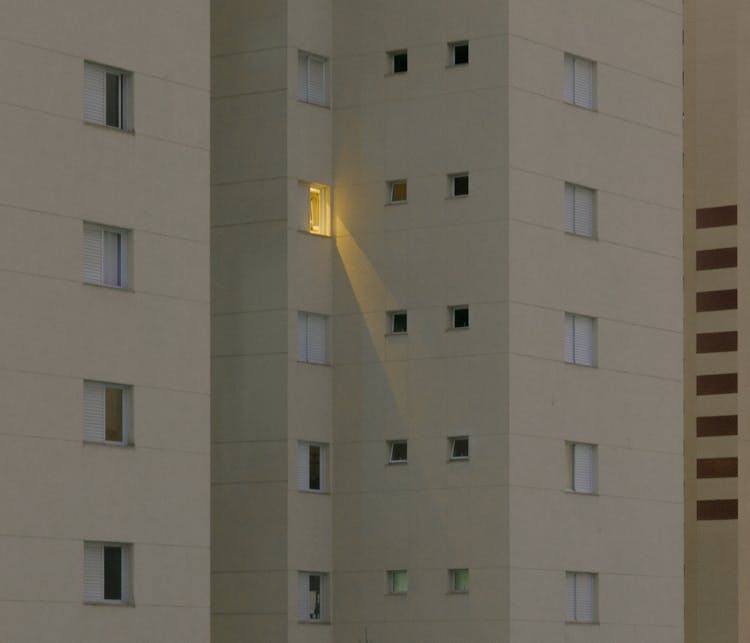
{"x":459,"y":448}
{"x":312,"y":466}
{"x":397,"y":322}
{"x":107,"y":96}
{"x":399,"y":62}
{"x":105,"y":412}
{"x":397,"y":191}
{"x":581,"y":467}
{"x":398,"y":581}
{"x":581,"y":597}
{"x":398,"y":452}
{"x":459,"y":316}
{"x":106,"y":572}
{"x":458,"y":581}
{"x":459,"y":53}
{"x":312,"y":603}
{"x":104,"y":255}
{"x":312,"y":79}
{"x":459,"y":184}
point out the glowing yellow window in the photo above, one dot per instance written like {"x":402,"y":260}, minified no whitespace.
{"x":319,"y":213}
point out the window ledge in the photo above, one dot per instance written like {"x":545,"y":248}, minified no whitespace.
{"x":404,"y":334}
{"x":579,"y":364}
{"x":453,"y":592}
{"x":110,"y":128}
{"x":390,"y":74}
{"x":389,"y":203}
{"x":396,"y":463}
{"x":580,"y":493}
{"x":327,"y":364}
{"x":310,"y":622}
{"x":590,"y":237}
{"x":452,"y":328}
{"x":315,"y":492}
{"x":120,"y":288}
{"x":581,"y":622}
{"x":397,"y":593}
{"x":104,"y":603}
{"x":119,"y":445}
{"x":322,"y":106}
{"x":466,"y":459}
{"x":309,"y":233}
{"x":456,"y":65}
{"x":453,"y":197}
{"x":588,"y":109}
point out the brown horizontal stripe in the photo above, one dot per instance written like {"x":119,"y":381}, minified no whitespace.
{"x":716,"y":468}
{"x":716,"y":258}
{"x":717,"y":510}
{"x":715,"y":425}
{"x":715,"y":217}
{"x":716,"y":300}
{"x":716,"y":384}
{"x":716,"y":342}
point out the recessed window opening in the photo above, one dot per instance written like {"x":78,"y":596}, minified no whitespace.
{"x":459,"y":184}
{"x":459,"y":53}
{"x":458,"y":581}
{"x":459,"y":316}
{"x":459,"y":448}
{"x":397,"y":452}
{"x":398,"y":322}
{"x":397,"y":191}
{"x":399,"y":62}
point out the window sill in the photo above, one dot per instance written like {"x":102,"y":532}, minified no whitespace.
{"x":454,"y":197}
{"x":452,"y":328}
{"x":579,"y":364}
{"x":110,"y":128}
{"x":321,"y":105}
{"x":390,"y":203}
{"x":466,"y":459}
{"x":311,"y":622}
{"x":391,"y":74}
{"x":121,"y":445}
{"x":397,"y":594}
{"x":327,"y":364}
{"x":580,"y":493}
{"x":590,"y":237}
{"x":310,"y":233}
{"x":104,"y":603}
{"x":454,"y":592}
{"x":315,"y":492}
{"x":392,"y":334}
{"x":120,"y":288}
{"x":581,"y":622}
{"x":397,"y":463}
{"x":588,"y":109}
{"x":456,"y":65}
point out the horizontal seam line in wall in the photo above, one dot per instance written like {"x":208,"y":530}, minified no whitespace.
{"x":36,"y":275}
{"x":82,"y":539}
{"x":23,"y":208}
{"x":244,"y":52}
{"x":245,"y":312}
{"x":137,"y":133}
{"x":129,"y":447}
{"x":80,"y":379}
{"x":45,"y":601}
{"x":230,"y":483}
{"x":630,"y":197}
{"x":238,"y":355}
{"x":205,"y":90}
{"x":599,"y":240}
{"x":266,"y":92}
{"x":598,"y":317}
{"x":275,"y":177}
{"x":599,"y":571}
{"x":239,"y":224}
{"x":284,"y":440}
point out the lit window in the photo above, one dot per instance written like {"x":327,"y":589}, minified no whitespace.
{"x":459,"y":316}
{"x":458,"y":581}
{"x":398,"y":581}
{"x":397,"y":321}
{"x":107,"y":96}
{"x":312,"y":466}
{"x":104,"y":255}
{"x":579,"y":210}
{"x":459,"y":448}
{"x":319,"y":214}
{"x":581,"y":597}
{"x":579,"y":81}
{"x":312,"y":602}
{"x":398,"y":452}
{"x":581,"y":467}
{"x":105,"y":412}
{"x":579,"y":339}
{"x":106,"y":572}
{"x":459,"y":184}
{"x":398,"y":62}
{"x":397,"y":191}
{"x":312,"y":81}
{"x":459,"y":53}
{"x":312,"y":338}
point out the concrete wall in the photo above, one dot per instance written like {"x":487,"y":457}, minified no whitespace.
{"x":55,"y":172}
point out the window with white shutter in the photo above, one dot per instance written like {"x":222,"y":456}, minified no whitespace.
{"x":312,"y":338}
{"x":312,"y":597}
{"x":312,"y":466}
{"x":579,"y":210}
{"x":104,"y":255}
{"x":106,"y":412}
{"x":106,"y":572}
{"x":579,"y":81}
{"x":107,"y":96}
{"x":579,"y":339}
{"x":581,"y":467}
{"x":312,"y":79}
{"x":581,"y":597}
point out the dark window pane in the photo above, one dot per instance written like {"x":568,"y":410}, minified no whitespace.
{"x":460,"y":448}
{"x":399,"y":323}
{"x":460,"y":185}
{"x":314,"y":467}
{"x":113,"y":573}
{"x":461,"y":54}
{"x":400,"y":63}
{"x":314,"y":588}
{"x":460,"y":318}
{"x":398,"y":452}
{"x":398,"y":191}
{"x":113,"y":99}
{"x":113,"y":414}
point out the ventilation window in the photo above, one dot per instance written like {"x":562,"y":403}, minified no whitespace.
{"x":397,"y":452}
{"x":459,"y":448}
{"x":397,"y":322}
{"x":105,"y":255}
{"x":312,"y":338}
{"x":398,"y":581}
{"x":397,"y":191}
{"x":312,"y":79}
{"x":458,"y":580}
{"x":312,"y":466}
{"x":459,"y":53}
{"x":459,"y":316}
{"x":312,"y":603}
{"x":398,"y":62}
{"x":459,"y":184}
{"x":105,"y":412}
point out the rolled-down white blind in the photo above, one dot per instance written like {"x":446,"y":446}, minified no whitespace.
{"x":579,"y":339}
{"x":579,"y":207}
{"x":93,"y":411}
{"x":316,"y":81}
{"x":93,"y":253}
{"x":94,"y":93}
{"x":125,"y":574}
{"x":303,"y":466}
{"x":570,"y":579}
{"x":584,"y":597}
{"x":112,"y":260}
{"x":93,"y":571}
{"x":303,"y":583}
{"x":570,"y":79}
{"x":583,"y":468}
{"x":584,"y":82}
{"x":312,"y":338}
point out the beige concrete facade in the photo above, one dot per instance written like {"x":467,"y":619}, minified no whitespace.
{"x":152,"y":183}
{"x":503,"y":514}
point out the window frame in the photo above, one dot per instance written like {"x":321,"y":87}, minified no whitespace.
{"x":452,"y":578}
{"x":123,"y":249}
{"x":323,"y":466}
{"x":452,"y":310}
{"x":323,"y":593}
{"x":324,"y":192}
{"x":571,"y":192}
{"x":126,"y":573}
{"x":594,"y":578}
{"x":392,"y":57}
{"x":391,"y":186}
{"x":326,"y":338}
{"x":452,"y":448}
{"x":452,"y":185}
{"x":304,"y":58}
{"x":392,"y":314}
{"x":571,"y":468}
{"x":570,"y":340}
{"x":391,"y":584}
{"x":125,"y":96}
{"x":393,"y":443}
{"x":452,"y":46}
{"x":127,"y":413}
{"x":569,"y":76}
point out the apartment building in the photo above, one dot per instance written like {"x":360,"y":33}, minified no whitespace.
{"x":104,"y":330}
{"x":447,"y":321}
{"x":716,"y":405}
